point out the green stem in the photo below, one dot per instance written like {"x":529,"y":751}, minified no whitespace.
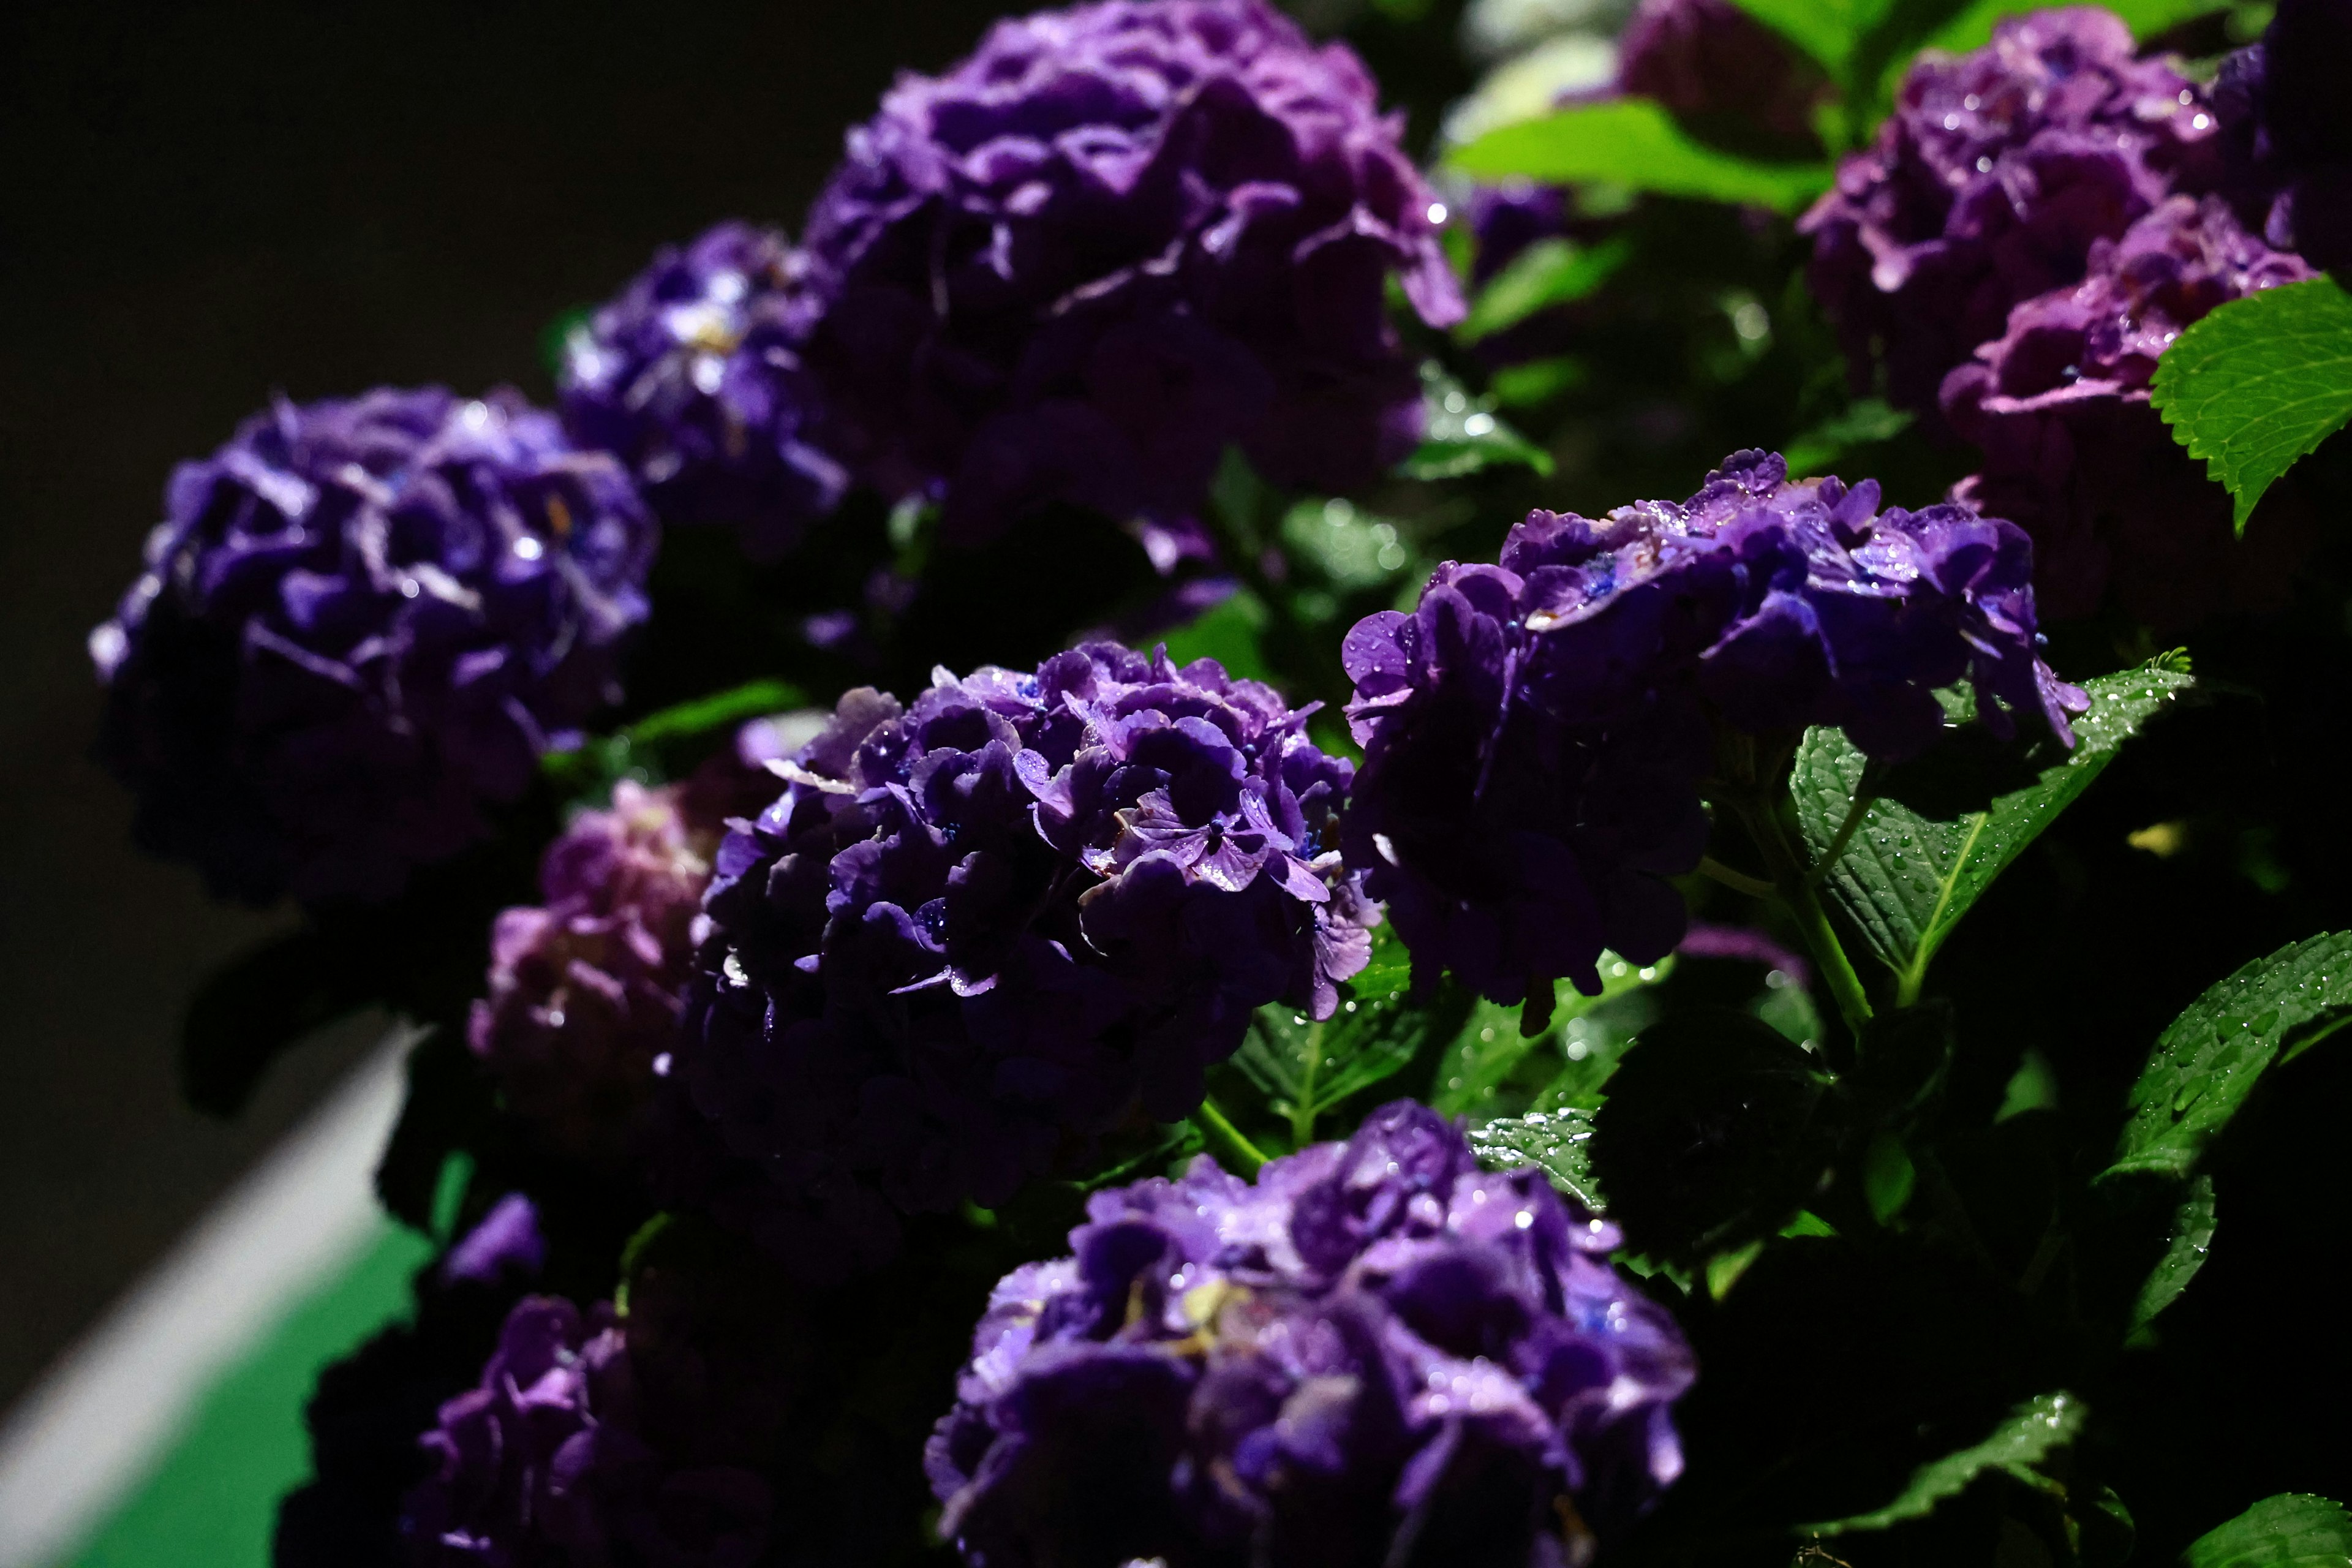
{"x":1804,"y":902}
{"x":1214,"y":1121}
{"x":1716,"y":870}
{"x":1302,"y":1115}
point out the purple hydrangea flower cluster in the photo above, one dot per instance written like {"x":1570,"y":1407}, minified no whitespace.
{"x":1536,"y":732}
{"x":360,"y":621}
{"x":1116,"y":239}
{"x":586,"y":989}
{"x":2290,"y":130}
{"x":693,"y":375}
{"x":1712,"y":63}
{"x":976,"y":932}
{"x":1376,"y":1354}
{"x":1989,"y":184}
{"x":593,"y":1441}
{"x":2073,"y":450}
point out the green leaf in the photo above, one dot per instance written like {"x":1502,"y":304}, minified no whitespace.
{"x":2029,"y":1435}
{"x":1548,"y":273}
{"x":1555,"y":1142}
{"x":1866,"y":423}
{"x":1915,"y":865}
{"x":1306,"y":1068}
{"x":2211,"y":1057}
{"x":2193,"y":1238}
{"x":1491,"y":1046}
{"x":1349,"y":549}
{"x":2292,"y":1530}
{"x":1462,"y":436}
{"x":1231,"y":632}
{"x":2258,"y":384}
{"x":1633,"y":143}
{"x":704,"y":714}
{"x":1828,"y":30}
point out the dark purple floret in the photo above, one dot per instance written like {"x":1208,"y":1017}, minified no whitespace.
{"x":693,"y":377}
{"x":1376,"y":1354}
{"x":978,"y":932}
{"x":597,"y":1442}
{"x":2075,"y":453}
{"x":2289,"y":126}
{"x":361,"y":622}
{"x":1989,"y":184}
{"x":1118,"y":238}
{"x":1536,"y":731}
{"x":586,"y":989}
{"x":1713,"y":64}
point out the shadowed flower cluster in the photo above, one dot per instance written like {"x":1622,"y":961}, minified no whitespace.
{"x":2074,"y":453}
{"x":1717,"y":66}
{"x":693,"y":376}
{"x":1536,"y":732}
{"x":360,"y":621}
{"x":1991,"y":181}
{"x":977,"y":932}
{"x":370,"y":1406}
{"x":599,"y":1441}
{"x":586,"y":989}
{"x":2290,"y":131}
{"x":1119,"y":237}
{"x":1377,"y":1355}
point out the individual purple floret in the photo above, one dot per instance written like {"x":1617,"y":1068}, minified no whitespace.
{"x":693,"y":376}
{"x":1116,"y":239}
{"x":1536,"y":733}
{"x":1713,"y":64}
{"x":361,"y":622}
{"x":978,"y":932}
{"x":1989,"y":184}
{"x":586,"y":990}
{"x":2289,"y":130}
{"x":1377,"y":1355}
{"x":2074,"y":452}
{"x":593,"y":1441}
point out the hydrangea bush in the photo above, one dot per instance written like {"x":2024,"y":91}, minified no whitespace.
{"x":1511,"y":1023}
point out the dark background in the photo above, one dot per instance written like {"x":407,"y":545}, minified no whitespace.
{"x":201,"y":204}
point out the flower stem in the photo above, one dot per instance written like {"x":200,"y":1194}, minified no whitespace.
{"x":1213,"y":1120}
{"x":1795,"y":887}
{"x":1737,"y":882}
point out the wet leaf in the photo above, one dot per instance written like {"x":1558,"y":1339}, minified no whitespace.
{"x":2292,"y":1530}
{"x":1915,"y":867}
{"x":2030,"y":1433}
{"x":1307,"y":1069}
{"x":2209,"y":1059}
{"x":2184,"y":1255}
{"x":1556,"y":1142}
{"x":1490,"y":1045}
{"x":1461,"y":434}
{"x":2257,"y":385}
